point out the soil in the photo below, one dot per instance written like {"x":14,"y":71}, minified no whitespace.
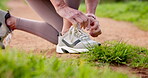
{"x":112,"y":30}
{"x":140,"y":72}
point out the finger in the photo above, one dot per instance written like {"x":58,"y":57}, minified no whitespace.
{"x":73,"y":21}
{"x":79,"y":20}
{"x":95,"y":27}
{"x":85,"y":24}
{"x":92,"y":21}
{"x":97,"y":32}
{"x":84,"y":18}
{"x":82,"y":25}
{"x":88,"y":25}
{"x":85,"y":21}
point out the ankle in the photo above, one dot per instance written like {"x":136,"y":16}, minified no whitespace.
{"x":11,"y":22}
{"x":64,"y":31}
{"x":66,"y":26}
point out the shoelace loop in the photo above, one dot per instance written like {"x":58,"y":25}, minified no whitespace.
{"x":80,"y":34}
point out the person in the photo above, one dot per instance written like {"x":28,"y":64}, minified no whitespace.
{"x":60,"y":16}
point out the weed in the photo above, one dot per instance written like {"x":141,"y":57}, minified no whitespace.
{"x":118,"y":53}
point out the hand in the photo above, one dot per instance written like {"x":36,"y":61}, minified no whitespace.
{"x":91,"y":15}
{"x":94,"y":27}
{"x":74,"y":16}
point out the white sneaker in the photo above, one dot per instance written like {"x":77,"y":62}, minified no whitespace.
{"x":4,"y":30}
{"x":74,"y":41}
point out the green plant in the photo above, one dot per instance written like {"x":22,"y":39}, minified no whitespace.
{"x":118,"y":53}
{"x":3,"y":4}
{"x":18,"y":64}
{"x":141,"y":60}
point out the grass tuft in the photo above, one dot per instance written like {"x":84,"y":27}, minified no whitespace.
{"x":118,"y":53}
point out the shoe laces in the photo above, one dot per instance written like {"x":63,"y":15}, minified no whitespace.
{"x":79,"y":33}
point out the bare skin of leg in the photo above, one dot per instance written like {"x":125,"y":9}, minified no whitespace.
{"x":11,"y":22}
{"x":66,"y":26}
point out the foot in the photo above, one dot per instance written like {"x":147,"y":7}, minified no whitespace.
{"x":74,"y":41}
{"x":4,"y":29}
{"x":66,"y":26}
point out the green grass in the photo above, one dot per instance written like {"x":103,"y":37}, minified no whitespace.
{"x":18,"y":64}
{"x":3,"y":5}
{"x":135,"y":12}
{"x":118,"y":53}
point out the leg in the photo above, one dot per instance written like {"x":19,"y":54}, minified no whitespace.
{"x":45,"y":9}
{"x":41,"y":29}
{"x":48,"y":30}
{"x":73,"y":4}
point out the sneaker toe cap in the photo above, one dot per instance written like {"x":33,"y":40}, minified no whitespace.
{"x":99,"y":44}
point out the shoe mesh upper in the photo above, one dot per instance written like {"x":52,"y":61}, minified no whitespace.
{"x":77,"y":38}
{"x":4,"y":30}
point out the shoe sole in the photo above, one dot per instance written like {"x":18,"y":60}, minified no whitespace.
{"x":65,"y":49}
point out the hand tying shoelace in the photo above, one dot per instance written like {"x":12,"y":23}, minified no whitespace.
{"x":80,"y":33}
{"x":75,"y":41}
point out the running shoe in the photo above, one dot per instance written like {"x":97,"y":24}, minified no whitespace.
{"x":75,"y":41}
{"x":4,"y":30}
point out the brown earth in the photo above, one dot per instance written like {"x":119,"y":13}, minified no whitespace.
{"x":112,"y":30}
